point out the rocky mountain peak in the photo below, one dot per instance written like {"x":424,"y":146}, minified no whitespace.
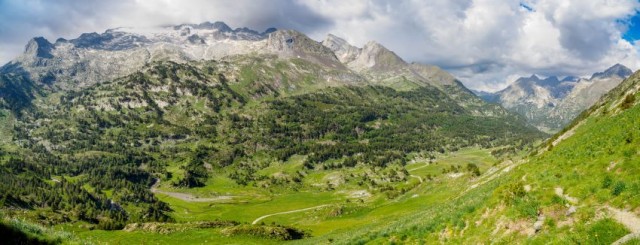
{"x":344,"y":51}
{"x":378,"y":63}
{"x":109,"y":40}
{"x":375,"y":56}
{"x":292,"y":43}
{"x":39,"y":47}
{"x":218,"y":25}
{"x":219,"y":31}
{"x":551,"y":103}
{"x":570,"y":79}
{"x":551,"y":81}
{"x":616,"y":70}
{"x":535,"y":80}
{"x":95,"y":57}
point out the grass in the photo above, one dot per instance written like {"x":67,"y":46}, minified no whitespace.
{"x":481,"y":157}
{"x":196,"y":236}
{"x":245,"y":212}
{"x":342,"y":220}
{"x":598,"y":166}
{"x":17,"y":231}
{"x":635,"y":241}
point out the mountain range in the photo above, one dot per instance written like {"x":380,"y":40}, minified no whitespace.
{"x":94,"y":57}
{"x":551,"y":103}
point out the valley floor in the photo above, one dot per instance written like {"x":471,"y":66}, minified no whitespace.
{"x":328,"y":213}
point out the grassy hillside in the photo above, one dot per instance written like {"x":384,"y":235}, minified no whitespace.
{"x":580,"y":188}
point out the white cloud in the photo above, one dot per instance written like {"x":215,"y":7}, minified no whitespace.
{"x":486,"y":43}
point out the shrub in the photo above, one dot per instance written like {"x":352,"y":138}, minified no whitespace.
{"x":527,"y":207}
{"x":618,"y":188}
{"x":513,"y":191}
{"x":473,"y":169}
{"x":628,"y":101}
{"x":271,"y":232}
{"x":606,"y":182}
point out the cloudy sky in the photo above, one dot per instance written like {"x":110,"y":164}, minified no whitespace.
{"x":485,"y":43}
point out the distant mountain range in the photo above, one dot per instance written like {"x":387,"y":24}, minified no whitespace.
{"x":93,"y":58}
{"x":551,"y":103}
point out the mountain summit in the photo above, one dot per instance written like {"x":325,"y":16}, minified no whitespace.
{"x":617,"y":70}
{"x":94,"y":57}
{"x":550,"y":103}
{"x":377,"y":63}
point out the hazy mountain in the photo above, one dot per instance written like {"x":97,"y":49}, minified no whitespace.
{"x":550,"y":103}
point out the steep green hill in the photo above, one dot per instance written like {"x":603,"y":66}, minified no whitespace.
{"x":580,"y":188}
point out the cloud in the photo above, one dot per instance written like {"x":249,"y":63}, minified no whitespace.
{"x":485,"y":43}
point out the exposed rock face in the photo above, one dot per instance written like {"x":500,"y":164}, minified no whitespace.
{"x":551,"y":103}
{"x":289,"y":43}
{"x":617,"y":70}
{"x":344,"y":51}
{"x":94,"y":57}
{"x":379,"y":64}
{"x":39,"y":47}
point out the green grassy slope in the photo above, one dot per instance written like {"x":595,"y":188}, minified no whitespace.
{"x":569,"y":188}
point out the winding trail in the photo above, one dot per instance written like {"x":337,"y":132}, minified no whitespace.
{"x":417,"y":177}
{"x":560,"y":192}
{"x":288,"y":212}
{"x":185,"y":196}
{"x":629,"y":220}
{"x":416,"y":168}
{"x":626,"y":218}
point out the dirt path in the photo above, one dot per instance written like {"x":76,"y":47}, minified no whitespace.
{"x":187,"y":197}
{"x":424,"y":166}
{"x":417,"y":177}
{"x":288,"y":212}
{"x":626,"y":239}
{"x":629,"y":220}
{"x":560,"y":192}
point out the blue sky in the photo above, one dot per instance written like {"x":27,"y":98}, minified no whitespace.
{"x":633,"y":32}
{"x":485,"y":43}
